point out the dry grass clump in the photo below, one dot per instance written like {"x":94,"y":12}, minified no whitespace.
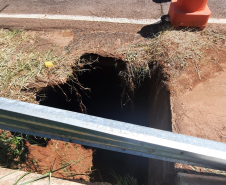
{"x":22,"y":65}
{"x":168,"y":52}
{"x":177,"y":48}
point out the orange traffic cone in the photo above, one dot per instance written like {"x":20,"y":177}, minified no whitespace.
{"x":189,"y":13}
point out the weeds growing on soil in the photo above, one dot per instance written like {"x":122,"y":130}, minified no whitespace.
{"x":12,"y":148}
{"x":177,"y":49}
{"x":22,"y":65}
{"x":124,"y":180}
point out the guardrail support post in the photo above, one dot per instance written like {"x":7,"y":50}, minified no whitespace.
{"x":160,"y":118}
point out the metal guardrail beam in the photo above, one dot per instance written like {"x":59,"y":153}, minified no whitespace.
{"x":108,"y":134}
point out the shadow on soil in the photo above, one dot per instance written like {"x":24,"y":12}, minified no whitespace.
{"x":151,"y":30}
{"x":161,"y":1}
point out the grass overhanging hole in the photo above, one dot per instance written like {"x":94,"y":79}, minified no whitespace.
{"x":109,"y":88}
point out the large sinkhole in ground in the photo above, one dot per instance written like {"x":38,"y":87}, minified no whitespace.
{"x":149,"y":106}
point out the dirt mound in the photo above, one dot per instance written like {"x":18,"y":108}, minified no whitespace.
{"x":73,"y":160}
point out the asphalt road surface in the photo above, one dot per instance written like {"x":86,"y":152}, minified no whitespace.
{"x":136,"y":9}
{"x":130,"y":9}
{"x":139,"y":9}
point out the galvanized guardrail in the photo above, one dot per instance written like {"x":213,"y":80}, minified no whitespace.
{"x":109,"y":134}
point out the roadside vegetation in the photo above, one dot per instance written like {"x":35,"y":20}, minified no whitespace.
{"x":12,"y":150}
{"x":175,"y":50}
{"x":124,"y":180}
{"x":22,"y":64}
{"x":23,"y":73}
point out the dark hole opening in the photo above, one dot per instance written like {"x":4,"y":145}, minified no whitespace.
{"x":105,"y":101}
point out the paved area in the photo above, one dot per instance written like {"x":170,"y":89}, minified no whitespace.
{"x":9,"y":177}
{"x":136,"y":9}
{"x":218,"y":8}
{"x":113,"y":9}
{"x":132,"y":9}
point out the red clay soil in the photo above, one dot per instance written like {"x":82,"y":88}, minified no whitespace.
{"x":58,"y":154}
{"x":198,"y":106}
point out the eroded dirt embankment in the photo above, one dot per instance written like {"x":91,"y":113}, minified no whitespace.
{"x":192,"y":66}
